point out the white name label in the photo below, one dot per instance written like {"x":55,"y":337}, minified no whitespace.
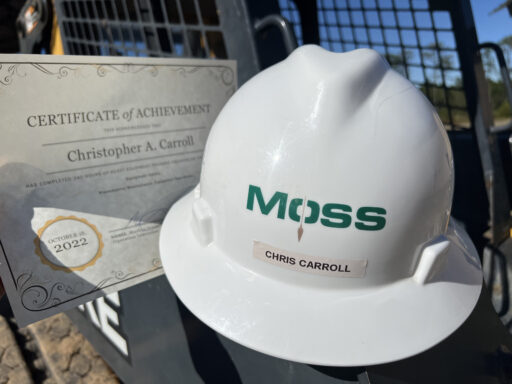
{"x":309,"y":264}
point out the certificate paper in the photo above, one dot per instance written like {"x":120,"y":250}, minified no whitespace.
{"x":93,"y":152}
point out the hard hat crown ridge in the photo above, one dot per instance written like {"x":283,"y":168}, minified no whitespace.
{"x":320,"y":231}
{"x":360,"y":71}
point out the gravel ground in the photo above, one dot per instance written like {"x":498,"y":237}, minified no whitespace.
{"x":13,"y":369}
{"x":51,"y":351}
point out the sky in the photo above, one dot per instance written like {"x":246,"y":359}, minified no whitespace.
{"x":491,"y":28}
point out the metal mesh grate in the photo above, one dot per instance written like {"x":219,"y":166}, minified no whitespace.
{"x":417,"y":41}
{"x":188,"y":28}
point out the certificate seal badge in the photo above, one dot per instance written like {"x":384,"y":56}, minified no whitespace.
{"x":68,"y":243}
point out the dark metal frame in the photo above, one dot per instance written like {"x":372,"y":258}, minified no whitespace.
{"x":480,"y":113}
{"x":406,"y":33}
{"x":160,"y":28}
{"x":236,"y":19}
{"x":497,"y":258}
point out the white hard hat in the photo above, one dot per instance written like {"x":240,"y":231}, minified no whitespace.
{"x":373,"y":270}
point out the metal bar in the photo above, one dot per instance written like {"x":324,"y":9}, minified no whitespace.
{"x":146,"y":12}
{"x":238,"y":32}
{"x":99,"y":28}
{"x":141,"y":27}
{"x":129,"y":27}
{"x":81,"y":28}
{"x":111,"y":45}
{"x":89,"y":27}
{"x":168,"y":29}
{"x":366,"y":28}
{"x":352,"y":26}
{"x":308,"y":12}
{"x":201,"y":24}
{"x":479,"y":110}
{"x":116,"y":24}
{"x":290,"y":42}
{"x":72,"y":26}
{"x":187,"y":48}
{"x":340,"y":31}
{"x":324,"y":24}
{"x":505,"y":74}
{"x":441,"y":68}
{"x":381,"y":23}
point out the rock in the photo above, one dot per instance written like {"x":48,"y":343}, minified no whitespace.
{"x":4,"y":373}
{"x":59,"y":328}
{"x":20,"y":375}
{"x":80,"y":365}
{"x":71,"y":378}
{"x":13,"y":369}
{"x":102,"y":380}
{"x":31,"y":346}
{"x":61,"y":361}
{"x":69,"y":357}
{"x":12,"y":357}
{"x":59,"y":354}
{"x":89,"y":350}
{"x":6,"y":337}
{"x":71,"y":344}
{"x":39,"y":364}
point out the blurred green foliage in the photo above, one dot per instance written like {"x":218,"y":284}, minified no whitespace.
{"x":500,"y":106}
{"x":447,"y":94}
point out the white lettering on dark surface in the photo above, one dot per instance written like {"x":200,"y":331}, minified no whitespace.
{"x":102,"y":315}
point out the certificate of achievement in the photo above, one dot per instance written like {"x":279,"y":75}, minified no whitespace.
{"x":93,"y":152}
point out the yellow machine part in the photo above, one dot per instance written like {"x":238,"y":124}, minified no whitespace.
{"x":56,"y":47}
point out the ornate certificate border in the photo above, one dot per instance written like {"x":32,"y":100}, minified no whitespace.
{"x":10,"y":70}
{"x":35,"y":294}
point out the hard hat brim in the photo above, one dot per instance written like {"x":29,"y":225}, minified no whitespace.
{"x":318,"y":326}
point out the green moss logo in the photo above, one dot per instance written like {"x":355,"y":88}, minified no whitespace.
{"x":333,"y":215}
